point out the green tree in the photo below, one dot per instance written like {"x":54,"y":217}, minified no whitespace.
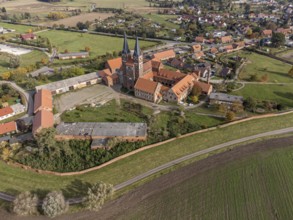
{"x":54,"y":204}
{"x":278,"y":39}
{"x":250,"y":104}
{"x":194,"y":99}
{"x":25,"y":204}
{"x":47,"y":143}
{"x":97,"y":194}
{"x":14,"y":61}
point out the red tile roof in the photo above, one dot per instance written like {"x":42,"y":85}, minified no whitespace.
{"x":43,"y":100}
{"x":183,"y":85}
{"x":8,"y":127}
{"x":5,"y":111}
{"x":43,"y":119}
{"x":164,"y":55}
{"x":146,"y":85}
{"x":206,"y":88}
{"x":169,"y":74}
{"x":115,"y":63}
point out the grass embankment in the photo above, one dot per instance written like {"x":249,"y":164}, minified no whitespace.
{"x":99,"y":45}
{"x":282,"y":94}
{"x":257,"y":186}
{"x":260,"y":65}
{"x":13,"y":179}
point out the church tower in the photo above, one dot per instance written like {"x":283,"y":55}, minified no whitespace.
{"x":126,"y":55}
{"x":137,"y":60}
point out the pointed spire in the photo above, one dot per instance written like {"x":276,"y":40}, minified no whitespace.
{"x":137,"y":51}
{"x":125,"y":45}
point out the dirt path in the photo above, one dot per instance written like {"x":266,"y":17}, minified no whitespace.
{"x":116,"y":208}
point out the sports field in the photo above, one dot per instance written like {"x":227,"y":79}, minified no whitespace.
{"x":14,"y":180}
{"x":99,"y":45}
{"x":250,"y":182}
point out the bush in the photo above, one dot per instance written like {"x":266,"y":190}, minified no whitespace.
{"x":25,"y":204}
{"x":97,"y":194}
{"x":54,"y":204}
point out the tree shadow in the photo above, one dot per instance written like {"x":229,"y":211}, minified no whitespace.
{"x":280,"y":74}
{"x":286,"y":95}
{"x":76,"y":188}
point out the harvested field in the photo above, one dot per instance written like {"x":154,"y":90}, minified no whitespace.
{"x":72,"y":21}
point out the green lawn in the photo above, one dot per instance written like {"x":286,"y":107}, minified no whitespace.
{"x":99,"y":45}
{"x":16,"y":27}
{"x":163,"y":19}
{"x":106,"y":113}
{"x":282,"y":94}
{"x":258,"y":186}
{"x":261,"y":65}
{"x":14,"y":180}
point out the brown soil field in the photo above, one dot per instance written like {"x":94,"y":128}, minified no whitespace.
{"x":72,"y":21}
{"x":287,"y":55}
{"x":116,"y":208}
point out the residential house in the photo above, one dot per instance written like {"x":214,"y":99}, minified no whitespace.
{"x":28,"y":36}
{"x":285,"y":31}
{"x":226,"y":39}
{"x":148,"y":90}
{"x":8,"y":128}
{"x":214,"y":50}
{"x":196,"y":48}
{"x":6,"y":112}
{"x":200,"y":39}
{"x":177,"y":63}
{"x":43,"y":101}
{"x":198,"y":55}
{"x":267,"y":33}
{"x":76,"y":55}
{"x":43,"y":119}
{"x":226,"y":99}
{"x":164,"y":55}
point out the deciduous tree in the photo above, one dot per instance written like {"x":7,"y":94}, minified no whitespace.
{"x":25,"y":204}
{"x":54,"y":204}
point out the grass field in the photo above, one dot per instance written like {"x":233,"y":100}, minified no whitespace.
{"x":288,"y":55}
{"x":162,"y":19}
{"x":282,"y":94}
{"x":14,"y":180}
{"x":99,"y":45}
{"x":261,"y":65}
{"x":258,"y":186}
{"x":16,"y":27}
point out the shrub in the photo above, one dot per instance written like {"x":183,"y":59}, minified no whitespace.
{"x":54,"y":204}
{"x":25,"y":204}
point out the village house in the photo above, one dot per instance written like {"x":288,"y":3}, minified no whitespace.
{"x":285,"y":31}
{"x":76,"y":55}
{"x":8,"y":128}
{"x":196,"y":48}
{"x":6,"y":112}
{"x":43,"y":101}
{"x":28,"y":36}
{"x":164,"y":55}
{"x":200,"y":39}
{"x":71,"y":83}
{"x":198,"y":55}
{"x":267,"y":33}
{"x":223,"y":98}
{"x":226,"y":39}
{"x":148,"y":90}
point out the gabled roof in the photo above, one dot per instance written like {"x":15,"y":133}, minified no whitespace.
{"x":43,"y":100}
{"x":105,"y":72}
{"x":204,"y":86}
{"x":6,"y":111}
{"x":28,"y":35}
{"x":43,"y":119}
{"x":115,"y":63}
{"x":169,"y":74}
{"x":199,"y":39}
{"x":164,"y":54}
{"x":8,"y":127}
{"x":146,"y":85}
{"x":214,"y":50}
{"x":267,"y":32}
{"x":226,"y":38}
{"x":156,"y":63}
{"x":183,"y":85}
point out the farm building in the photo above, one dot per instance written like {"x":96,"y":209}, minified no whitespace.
{"x":102,"y":130}
{"x":43,"y":119}
{"x":223,"y":98}
{"x":71,"y":83}
{"x":45,"y":71}
{"x":164,"y":55}
{"x":43,"y":101}
{"x":29,"y":36}
{"x":77,"y":55}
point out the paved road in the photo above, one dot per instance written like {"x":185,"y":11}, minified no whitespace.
{"x":28,"y":96}
{"x":71,"y":201}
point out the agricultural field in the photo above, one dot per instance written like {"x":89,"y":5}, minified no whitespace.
{"x":281,"y":94}
{"x":14,"y":180}
{"x":163,"y":19}
{"x":18,"y":28}
{"x":99,"y":45}
{"x":260,"y":65}
{"x":72,"y":21}
{"x":250,"y":182}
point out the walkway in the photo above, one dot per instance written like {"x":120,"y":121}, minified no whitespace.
{"x":127,"y":183}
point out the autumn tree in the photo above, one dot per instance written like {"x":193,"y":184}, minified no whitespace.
{"x":87,"y":49}
{"x":230,"y":116}
{"x":265,"y":78}
{"x":25,"y":204}
{"x":291,"y":72}
{"x":97,"y":194}
{"x":54,"y":204}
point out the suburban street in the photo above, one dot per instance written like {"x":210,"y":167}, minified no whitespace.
{"x":129,"y":182}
